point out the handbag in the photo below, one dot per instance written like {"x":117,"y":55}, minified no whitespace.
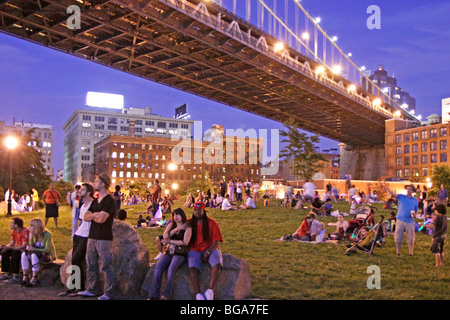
{"x":177,"y":250}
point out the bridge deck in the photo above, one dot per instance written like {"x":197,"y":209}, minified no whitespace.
{"x":178,"y":44}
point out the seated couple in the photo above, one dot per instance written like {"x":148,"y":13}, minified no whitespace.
{"x":194,"y":241}
{"x":310,"y":230}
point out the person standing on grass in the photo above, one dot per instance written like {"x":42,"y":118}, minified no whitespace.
{"x":74,"y":200}
{"x":442,"y":195}
{"x":10,"y":254}
{"x":34,"y":199}
{"x":203,"y":247}
{"x":99,"y":245}
{"x":406,"y":213}
{"x":80,"y":238}
{"x":439,"y":227}
{"x":51,"y":198}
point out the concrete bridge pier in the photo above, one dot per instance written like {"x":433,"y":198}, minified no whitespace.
{"x":363,"y":163}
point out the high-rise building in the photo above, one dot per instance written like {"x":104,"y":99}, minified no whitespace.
{"x":44,"y":133}
{"x":86,"y":127}
{"x":446,"y":110}
{"x":390,"y":87}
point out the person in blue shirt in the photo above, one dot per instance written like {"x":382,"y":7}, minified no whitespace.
{"x":406,"y":213}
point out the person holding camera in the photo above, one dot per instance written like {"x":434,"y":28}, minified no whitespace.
{"x":176,"y":236}
{"x":41,"y":249}
{"x":11,"y":252}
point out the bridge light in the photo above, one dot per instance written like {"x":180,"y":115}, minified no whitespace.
{"x":318,"y":20}
{"x":305,"y":36}
{"x":363,"y":68}
{"x":377,"y":102}
{"x":278,"y":46}
{"x":397,"y":114}
{"x":337,"y":69}
{"x":412,"y":112}
{"x":334,"y":38}
{"x":349,"y":54}
{"x":320,"y":69}
{"x":352,"y":88}
{"x":419,"y":117}
{"x":405,"y":106}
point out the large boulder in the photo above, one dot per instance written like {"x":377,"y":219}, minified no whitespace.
{"x":234,"y":281}
{"x":130,"y":261}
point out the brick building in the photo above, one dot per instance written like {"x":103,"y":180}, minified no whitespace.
{"x":131,"y":159}
{"x":412,"y":150}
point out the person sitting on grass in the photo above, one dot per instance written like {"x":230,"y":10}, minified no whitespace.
{"x":326,"y":208}
{"x":140,"y":221}
{"x":363,"y":242}
{"x":10,"y":254}
{"x":390,"y":223}
{"x":320,"y":233}
{"x":439,"y":226}
{"x":226,"y":204}
{"x":41,"y":248}
{"x":341,"y":228}
{"x":316,"y":206}
{"x":303,"y":233}
{"x":248,"y":202}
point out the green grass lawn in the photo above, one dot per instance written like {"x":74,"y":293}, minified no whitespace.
{"x":294,"y":270}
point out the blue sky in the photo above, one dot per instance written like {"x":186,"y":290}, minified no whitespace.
{"x":45,"y":86}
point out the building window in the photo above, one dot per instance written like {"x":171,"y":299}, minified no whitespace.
{"x":433,"y":158}
{"x":398,"y":138}
{"x":99,"y":119}
{"x":415,"y":135}
{"x":424,"y":172}
{"x":443,"y":157}
{"x":406,"y":161}
{"x":398,"y":162}
{"x":149,"y":123}
{"x":424,"y":159}
{"x":406,"y":173}
{"x":406,"y":149}
{"x":443,"y":144}
{"x":433,"y":133}
{"x":424,"y":147}
{"x":114,"y":155}
{"x":112,"y":128}
{"x":162,"y":125}
{"x":415,"y":172}
{"x":86,"y":118}
{"x":433,"y":145}
{"x":443,"y":132}
{"x":399,"y":173}
{"x":112,"y":120}
{"x":424,"y":134}
{"x":406,"y":137}
{"x":398,"y":150}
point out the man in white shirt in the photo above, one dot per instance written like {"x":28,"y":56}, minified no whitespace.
{"x":249,"y":203}
{"x":226,"y":204}
{"x":309,"y":189}
{"x":80,"y":238}
{"x":219,"y":200}
{"x":239,"y":190}
{"x":255,"y":188}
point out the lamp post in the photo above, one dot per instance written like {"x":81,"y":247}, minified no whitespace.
{"x":10,"y":143}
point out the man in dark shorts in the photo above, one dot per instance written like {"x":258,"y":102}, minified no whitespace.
{"x":99,"y":245}
{"x":51,"y":198}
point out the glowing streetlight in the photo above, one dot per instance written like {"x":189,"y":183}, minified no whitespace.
{"x":172,"y":166}
{"x":337,"y":69}
{"x":278,"y":46}
{"x":320,"y":69}
{"x":174,"y":186}
{"x":377,"y":102}
{"x":11,"y":143}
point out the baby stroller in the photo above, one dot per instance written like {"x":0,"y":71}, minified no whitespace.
{"x":368,"y":243}
{"x":363,"y":217}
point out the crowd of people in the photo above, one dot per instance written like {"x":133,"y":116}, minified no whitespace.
{"x":26,"y":202}
{"x":195,"y":240}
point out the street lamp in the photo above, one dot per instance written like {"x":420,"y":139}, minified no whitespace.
{"x":11,"y":143}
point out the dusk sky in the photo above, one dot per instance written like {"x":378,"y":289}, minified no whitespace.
{"x":44,"y":86}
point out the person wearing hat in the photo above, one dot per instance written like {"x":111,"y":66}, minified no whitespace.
{"x":99,"y":246}
{"x":406,"y":213}
{"x":203,"y":247}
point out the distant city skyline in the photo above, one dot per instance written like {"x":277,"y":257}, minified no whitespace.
{"x":46,"y":86}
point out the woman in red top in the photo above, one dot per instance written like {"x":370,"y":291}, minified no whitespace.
{"x":303,"y":233}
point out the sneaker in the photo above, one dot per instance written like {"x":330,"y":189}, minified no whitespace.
{"x":199,"y":296}
{"x":86,"y":294}
{"x":104,"y":297}
{"x":209,"y":294}
{"x":5,"y":277}
{"x":158,"y":256}
{"x":66,"y":293}
{"x":13,"y":280}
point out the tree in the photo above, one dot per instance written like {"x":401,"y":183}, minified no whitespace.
{"x":440,"y":175}
{"x":201,"y":182}
{"x":27,"y":166}
{"x":301,"y":149}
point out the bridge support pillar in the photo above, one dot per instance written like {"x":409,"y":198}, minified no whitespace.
{"x":363,"y":163}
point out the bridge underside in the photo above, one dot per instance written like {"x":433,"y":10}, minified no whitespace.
{"x":162,"y":44}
